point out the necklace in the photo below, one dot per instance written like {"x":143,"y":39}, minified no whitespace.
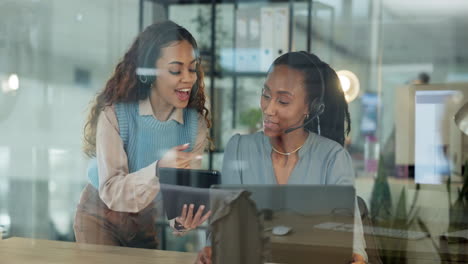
{"x":287,"y":153}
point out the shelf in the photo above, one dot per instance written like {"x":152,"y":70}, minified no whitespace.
{"x":218,"y":70}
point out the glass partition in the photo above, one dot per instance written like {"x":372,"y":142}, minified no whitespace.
{"x":398,"y":68}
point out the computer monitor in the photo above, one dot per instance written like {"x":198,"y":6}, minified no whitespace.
{"x":305,"y":209}
{"x":428,"y":145}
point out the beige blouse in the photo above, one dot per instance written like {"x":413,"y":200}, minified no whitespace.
{"x":132,"y":192}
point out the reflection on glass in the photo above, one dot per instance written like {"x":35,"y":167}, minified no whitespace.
{"x":418,"y":209}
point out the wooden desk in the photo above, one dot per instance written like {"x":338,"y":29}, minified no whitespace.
{"x":24,"y":250}
{"x":306,"y":243}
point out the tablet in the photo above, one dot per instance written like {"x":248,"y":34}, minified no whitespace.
{"x":186,"y":186}
{"x":189,"y":177}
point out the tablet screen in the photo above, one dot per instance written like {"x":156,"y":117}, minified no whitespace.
{"x":186,"y":186}
{"x":189,"y":177}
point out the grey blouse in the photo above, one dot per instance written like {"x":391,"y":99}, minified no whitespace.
{"x":247,"y":160}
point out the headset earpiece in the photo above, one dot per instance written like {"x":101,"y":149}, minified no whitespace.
{"x":317,"y":107}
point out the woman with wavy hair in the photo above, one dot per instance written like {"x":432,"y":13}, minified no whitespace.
{"x":151,"y":114}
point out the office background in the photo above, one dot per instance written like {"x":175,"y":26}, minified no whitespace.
{"x":56,"y":54}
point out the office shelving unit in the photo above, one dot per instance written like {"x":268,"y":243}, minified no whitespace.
{"x":151,"y":11}
{"x":214,"y":73}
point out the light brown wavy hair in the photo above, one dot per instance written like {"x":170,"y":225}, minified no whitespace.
{"x":125,"y":85}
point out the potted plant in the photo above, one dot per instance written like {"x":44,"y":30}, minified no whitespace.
{"x":383,"y":215}
{"x":252,"y":119}
{"x":452,"y":248}
{"x":203,"y":22}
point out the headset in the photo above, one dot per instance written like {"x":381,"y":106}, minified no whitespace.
{"x":146,"y":71}
{"x":317,"y":107}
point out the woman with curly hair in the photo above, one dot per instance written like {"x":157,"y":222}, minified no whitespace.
{"x":151,"y":114}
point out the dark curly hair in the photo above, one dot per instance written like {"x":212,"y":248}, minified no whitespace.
{"x":125,"y":86}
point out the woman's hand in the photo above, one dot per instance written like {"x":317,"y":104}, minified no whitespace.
{"x":204,"y":256}
{"x":187,"y":221}
{"x":177,"y":158}
{"x":358,"y":259}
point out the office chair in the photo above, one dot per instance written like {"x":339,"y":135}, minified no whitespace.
{"x":372,"y":243}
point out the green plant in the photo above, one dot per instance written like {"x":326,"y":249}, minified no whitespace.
{"x":381,"y":200}
{"x":383,"y":215}
{"x":251,"y":118}
{"x":458,"y":220}
{"x":458,"y":216}
{"x":203,"y":21}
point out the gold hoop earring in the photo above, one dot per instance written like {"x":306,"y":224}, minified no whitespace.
{"x":143,"y":78}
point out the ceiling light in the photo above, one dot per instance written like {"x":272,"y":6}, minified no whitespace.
{"x":13,"y":82}
{"x":349,"y":84}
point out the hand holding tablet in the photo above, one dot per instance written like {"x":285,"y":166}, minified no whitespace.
{"x":188,"y":221}
{"x":186,"y":195}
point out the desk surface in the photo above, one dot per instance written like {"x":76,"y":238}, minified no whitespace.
{"x":24,"y":250}
{"x":303,"y":233}
{"x":304,"y":242}
{"x":305,"y":236}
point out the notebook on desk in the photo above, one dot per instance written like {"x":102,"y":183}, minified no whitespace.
{"x":301,"y":207}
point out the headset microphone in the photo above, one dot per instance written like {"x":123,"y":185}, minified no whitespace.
{"x":316,"y":115}
{"x":317,"y":107}
{"x":291,"y":129}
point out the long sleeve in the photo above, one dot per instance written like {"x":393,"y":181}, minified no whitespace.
{"x":340,"y":168}
{"x":340,"y":171}
{"x":200,"y":145}
{"x":231,"y":172}
{"x":120,"y":190}
{"x":201,"y":142}
{"x":359,"y":243}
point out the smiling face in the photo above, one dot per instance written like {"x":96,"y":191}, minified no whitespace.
{"x":177,"y":74}
{"x":283,"y":100}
